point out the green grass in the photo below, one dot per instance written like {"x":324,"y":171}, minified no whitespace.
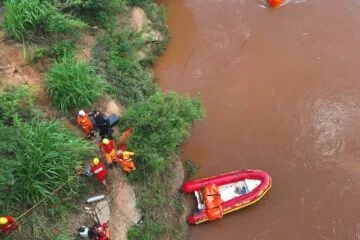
{"x":72,"y":84}
{"x":117,"y":60}
{"x":95,"y":12}
{"x":25,"y":17}
{"x":161,"y":123}
{"x":26,"y":20}
{"x":37,"y":156}
{"x":190,"y":169}
{"x":62,"y":48}
{"x":59,"y":23}
{"x":157,"y":15}
{"x":161,"y":209}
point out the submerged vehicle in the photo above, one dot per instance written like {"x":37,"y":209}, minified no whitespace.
{"x":219,"y":195}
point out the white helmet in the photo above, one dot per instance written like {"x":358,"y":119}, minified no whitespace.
{"x":84,"y":232}
{"x":82,"y":113}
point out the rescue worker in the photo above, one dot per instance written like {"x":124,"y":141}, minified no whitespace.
{"x":85,"y":123}
{"x":108,"y":149}
{"x":100,"y":232}
{"x":7,"y":225}
{"x":125,"y":161}
{"x":123,"y":138}
{"x":102,"y":122}
{"x":99,"y":170}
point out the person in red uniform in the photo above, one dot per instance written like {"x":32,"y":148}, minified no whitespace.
{"x":101,"y":232}
{"x":99,"y":170}
{"x":108,"y":148}
{"x":7,"y":225}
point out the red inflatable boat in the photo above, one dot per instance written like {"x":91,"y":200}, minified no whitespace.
{"x":226,"y":193}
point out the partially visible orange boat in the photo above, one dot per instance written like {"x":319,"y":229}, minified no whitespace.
{"x":219,"y":195}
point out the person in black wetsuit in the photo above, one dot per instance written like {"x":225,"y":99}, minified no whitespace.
{"x":103,"y":124}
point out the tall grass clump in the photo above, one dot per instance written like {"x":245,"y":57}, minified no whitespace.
{"x":16,"y":105}
{"x":73,"y":84}
{"x":24,"y":17}
{"x":160,"y":125}
{"x":36,"y":155}
{"x":118,"y":61}
{"x":39,"y":156}
{"x":26,"y":20}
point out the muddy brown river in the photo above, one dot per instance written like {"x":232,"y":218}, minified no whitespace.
{"x":281,"y":89}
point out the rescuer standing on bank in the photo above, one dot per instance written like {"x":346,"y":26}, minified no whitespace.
{"x":85,"y":123}
{"x":99,"y":170}
{"x":108,"y":148}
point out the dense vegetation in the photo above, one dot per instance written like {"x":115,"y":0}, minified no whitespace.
{"x":117,"y":60}
{"x":43,"y":148}
{"x":26,"y":19}
{"x":160,"y":125}
{"x":73,"y":84}
{"x":37,"y":156}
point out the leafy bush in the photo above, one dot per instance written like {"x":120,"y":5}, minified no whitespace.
{"x":24,"y":17}
{"x":35,"y":54}
{"x":160,"y":124}
{"x":62,"y":48}
{"x":138,"y":2}
{"x":133,"y":83}
{"x":97,"y":12}
{"x":59,"y":23}
{"x":73,"y":84}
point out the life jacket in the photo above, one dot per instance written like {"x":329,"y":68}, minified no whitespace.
{"x":84,"y":121}
{"x":123,"y":139}
{"x":212,"y":201}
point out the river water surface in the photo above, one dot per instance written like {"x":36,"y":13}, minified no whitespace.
{"x":281,"y":88}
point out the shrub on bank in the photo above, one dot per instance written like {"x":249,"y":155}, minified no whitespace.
{"x":95,"y":12}
{"x":160,"y":125}
{"x":73,"y":84}
{"x":118,"y":61}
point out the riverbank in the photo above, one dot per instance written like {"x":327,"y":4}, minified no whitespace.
{"x":118,"y":55}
